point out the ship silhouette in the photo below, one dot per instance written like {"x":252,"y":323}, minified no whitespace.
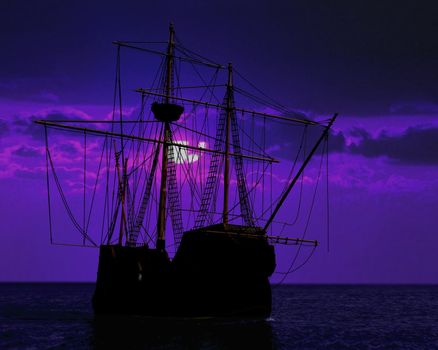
{"x":222,"y":261}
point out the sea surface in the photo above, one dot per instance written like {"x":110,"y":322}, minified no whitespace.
{"x":52,"y":316}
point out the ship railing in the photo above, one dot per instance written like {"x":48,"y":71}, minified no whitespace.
{"x":271,"y":239}
{"x":137,"y":244}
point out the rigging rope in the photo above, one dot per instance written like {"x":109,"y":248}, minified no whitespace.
{"x":95,"y":185}
{"x":85,"y":183}
{"x":328,"y":192}
{"x":64,"y":201}
{"x":48,"y":184}
{"x":291,"y":269}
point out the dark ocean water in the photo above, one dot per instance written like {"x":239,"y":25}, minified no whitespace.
{"x":42,"y":316}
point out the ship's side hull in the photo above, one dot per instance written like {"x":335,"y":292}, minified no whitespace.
{"x":130,"y":280}
{"x":212,"y":275}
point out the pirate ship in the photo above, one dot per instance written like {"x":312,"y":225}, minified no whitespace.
{"x":155,"y":169}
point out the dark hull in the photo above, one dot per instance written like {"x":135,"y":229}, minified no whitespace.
{"x":212,"y":275}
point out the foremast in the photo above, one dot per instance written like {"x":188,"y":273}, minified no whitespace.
{"x":161,"y":224}
{"x":227,"y":143}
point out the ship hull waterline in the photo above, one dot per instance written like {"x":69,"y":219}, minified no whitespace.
{"x":212,"y":275}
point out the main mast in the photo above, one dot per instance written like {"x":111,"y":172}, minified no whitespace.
{"x":161,"y":225}
{"x":227,"y":143}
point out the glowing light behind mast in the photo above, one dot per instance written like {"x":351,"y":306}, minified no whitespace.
{"x":183,"y":155}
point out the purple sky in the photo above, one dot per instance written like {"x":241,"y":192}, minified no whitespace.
{"x":374,"y":64}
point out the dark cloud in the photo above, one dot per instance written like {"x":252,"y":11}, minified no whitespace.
{"x":417,"y":145}
{"x":28,"y":174}
{"x":20,"y":121}
{"x":31,"y":89}
{"x":337,"y":142}
{"x":285,"y":140}
{"x":358,"y":132}
{"x":25,"y":151}
{"x":415,"y":108}
{"x":4,"y":127}
{"x":68,"y":148}
{"x":28,"y":126}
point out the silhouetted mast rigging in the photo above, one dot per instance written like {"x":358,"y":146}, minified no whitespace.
{"x":227,"y":143}
{"x":140,"y":195}
{"x":161,"y":225}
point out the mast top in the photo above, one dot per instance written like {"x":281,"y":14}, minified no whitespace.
{"x":171,"y":32}
{"x":230,"y":75}
{"x":167,"y":110}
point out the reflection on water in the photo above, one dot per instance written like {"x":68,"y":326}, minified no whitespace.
{"x":59,"y":316}
{"x":136,"y":332}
